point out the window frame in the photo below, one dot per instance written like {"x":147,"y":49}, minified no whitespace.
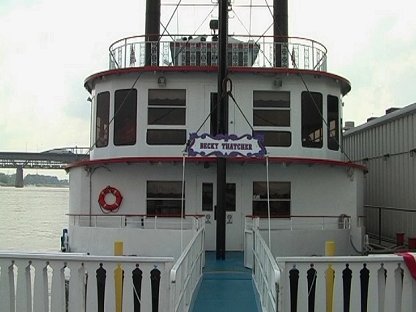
{"x":156,"y":132}
{"x":165,"y":199}
{"x":259,"y":200}
{"x":280,"y":134}
{"x":125,"y":117}
{"x":231,"y":201}
{"x":100,"y":110}
{"x":308,"y":111}
{"x":333,"y":133}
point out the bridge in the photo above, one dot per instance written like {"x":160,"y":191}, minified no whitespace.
{"x":56,"y":158}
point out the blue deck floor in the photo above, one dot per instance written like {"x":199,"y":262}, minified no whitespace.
{"x":226,"y":285}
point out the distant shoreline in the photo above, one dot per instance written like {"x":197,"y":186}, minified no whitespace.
{"x":37,"y":185}
{"x":33,"y":180}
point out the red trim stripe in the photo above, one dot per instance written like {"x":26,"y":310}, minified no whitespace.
{"x":286,"y":160}
{"x":88,"y":83}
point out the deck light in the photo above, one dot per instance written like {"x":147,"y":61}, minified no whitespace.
{"x":161,"y":81}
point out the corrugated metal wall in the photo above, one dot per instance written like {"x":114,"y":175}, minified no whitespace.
{"x":387,"y":146}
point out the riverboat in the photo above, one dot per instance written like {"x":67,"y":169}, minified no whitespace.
{"x":212,"y":142}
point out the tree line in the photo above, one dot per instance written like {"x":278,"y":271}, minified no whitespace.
{"x":33,"y":179}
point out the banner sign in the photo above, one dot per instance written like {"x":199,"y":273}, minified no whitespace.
{"x":226,"y":145}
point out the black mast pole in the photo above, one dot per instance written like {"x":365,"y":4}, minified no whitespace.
{"x":280,"y":32}
{"x":222,"y":127}
{"x":152,"y":31}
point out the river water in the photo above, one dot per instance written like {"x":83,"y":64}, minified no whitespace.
{"x":32,"y":218}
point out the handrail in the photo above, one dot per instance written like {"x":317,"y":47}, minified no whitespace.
{"x":130,"y":215}
{"x":390,"y":208}
{"x":188,"y":261}
{"x":183,"y":256}
{"x":298,"y":222}
{"x":140,"y":221}
{"x":267,"y":282}
{"x":40,"y":282}
{"x":383,"y":223}
{"x":245,"y":51}
{"x":83,"y":257}
{"x":383,"y":282}
{"x":296,"y":216}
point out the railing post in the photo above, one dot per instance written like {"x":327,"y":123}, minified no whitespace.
{"x":125,"y":53}
{"x":313,"y":55}
{"x":379,"y":225}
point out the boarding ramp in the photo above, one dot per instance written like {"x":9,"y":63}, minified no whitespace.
{"x":226,"y":285}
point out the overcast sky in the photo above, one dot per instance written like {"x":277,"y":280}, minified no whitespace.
{"x":48,"y":48}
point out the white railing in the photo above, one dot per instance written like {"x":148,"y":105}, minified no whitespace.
{"x":364,"y":283}
{"x":186,"y":273}
{"x":136,"y":221}
{"x":293,"y":223}
{"x":381,"y":283}
{"x":266,"y":274}
{"x":76,"y":283}
{"x":202,"y":50}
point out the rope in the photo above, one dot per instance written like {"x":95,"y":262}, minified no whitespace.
{"x":170,"y":19}
{"x":242,"y":113}
{"x":182,"y":198}
{"x":135,"y":82}
{"x":136,"y":294}
{"x":292,"y":57}
{"x":268,"y":198}
{"x":241,"y":22}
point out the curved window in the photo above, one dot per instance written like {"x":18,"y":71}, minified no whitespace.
{"x":333,"y":123}
{"x":102,"y":119}
{"x":125,"y":117}
{"x":312,"y":130}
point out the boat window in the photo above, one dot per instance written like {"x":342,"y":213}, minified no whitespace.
{"x":276,"y":138}
{"x":102,"y":119}
{"x":279,"y":196}
{"x":164,"y":198}
{"x":166,"y":137}
{"x":208,"y":197}
{"x":333,"y":122}
{"x":230,"y":197}
{"x":125,"y":117}
{"x":271,"y":117}
{"x":166,"y":109}
{"x":271,"y":108}
{"x":312,"y":130}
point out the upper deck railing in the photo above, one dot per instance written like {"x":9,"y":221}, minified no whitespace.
{"x":202,"y":51}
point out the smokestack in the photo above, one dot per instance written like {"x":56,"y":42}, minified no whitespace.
{"x":152,"y":31}
{"x":280,"y":32}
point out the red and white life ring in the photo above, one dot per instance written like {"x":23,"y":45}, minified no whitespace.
{"x":110,"y":206}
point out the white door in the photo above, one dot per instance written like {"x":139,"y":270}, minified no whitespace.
{"x":207,"y":198}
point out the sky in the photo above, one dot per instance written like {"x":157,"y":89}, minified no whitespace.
{"x":48,"y":48}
